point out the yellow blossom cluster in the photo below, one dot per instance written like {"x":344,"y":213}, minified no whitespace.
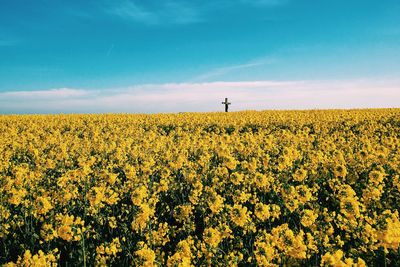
{"x":39,"y":259}
{"x":270,"y":188}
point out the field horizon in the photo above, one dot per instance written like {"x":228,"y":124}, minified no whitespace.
{"x":206,"y":112}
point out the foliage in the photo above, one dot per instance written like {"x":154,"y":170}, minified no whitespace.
{"x":309,"y":188}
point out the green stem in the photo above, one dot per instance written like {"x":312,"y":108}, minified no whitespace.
{"x":84,"y":219}
{"x":83,"y":249}
{"x":384,"y":254}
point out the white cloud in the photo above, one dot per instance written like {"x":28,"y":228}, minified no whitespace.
{"x":130,"y":10}
{"x":166,"y":12}
{"x":46,"y":94}
{"x":176,"y":97}
{"x":221,"y":71}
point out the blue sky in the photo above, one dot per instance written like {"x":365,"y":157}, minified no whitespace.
{"x":88,"y":56}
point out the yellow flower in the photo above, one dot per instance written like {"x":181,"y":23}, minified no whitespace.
{"x":264,"y":254}
{"x":389,"y":236}
{"x":239,"y":215}
{"x":350,"y":207}
{"x":264,"y":212}
{"x":159,"y":237}
{"x":112,"y":222}
{"x":39,"y":259}
{"x":300,"y":175}
{"x":340,"y":171}
{"x":65,"y":232}
{"x":215,"y":202}
{"x":376,"y":177}
{"x":183,"y":256}
{"x":107,"y":251}
{"x":17,"y":195}
{"x":43,"y":205}
{"x":138,"y":195}
{"x":338,"y":259}
{"x":183,"y":212}
{"x":236,"y":178}
{"x":146,"y":255}
{"x":308,"y":218}
{"x":212,"y":237}
{"x":142,"y":218}
{"x":70,"y":228}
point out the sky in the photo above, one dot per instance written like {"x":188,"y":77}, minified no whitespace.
{"x":131,"y":56}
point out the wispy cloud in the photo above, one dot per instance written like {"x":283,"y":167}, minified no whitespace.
{"x":132,"y":11}
{"x":164,"y":12}
{"x":175,"y":97}
{"x":221,"y":71}
{"x":46,"y":94}
{"x":177,"y":12}
{"x":110,"y":50}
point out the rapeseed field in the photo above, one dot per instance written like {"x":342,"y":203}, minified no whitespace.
{"x":271,"y":188}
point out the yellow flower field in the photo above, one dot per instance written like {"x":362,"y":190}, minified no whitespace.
{"x":271,"y":188}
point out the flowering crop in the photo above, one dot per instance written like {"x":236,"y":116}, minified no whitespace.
{"x":272,"y":188}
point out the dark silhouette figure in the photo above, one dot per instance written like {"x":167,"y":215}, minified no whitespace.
{"x":226,"y":103}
